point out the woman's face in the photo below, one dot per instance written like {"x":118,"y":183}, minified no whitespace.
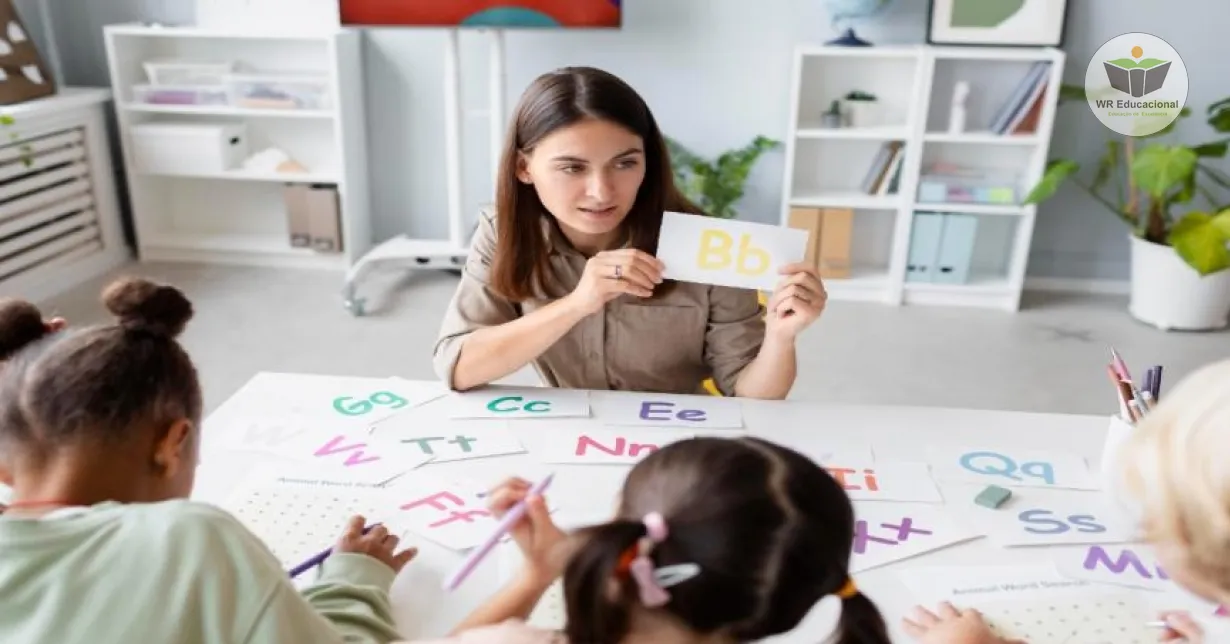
{"x":587,"y":175}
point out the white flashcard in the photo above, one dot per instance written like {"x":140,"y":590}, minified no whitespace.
{"x":445,"y":511}
{"x":347,"y":455}
{"x":977,"y":585}
{"x":609,"y":446}
{"x":888,"y":532}
{"x":887,"y":481}
{"x":329,"y":401}
{"x":511,"y":403}
{"x":1011,"y":467}
{"x":843,"y":454}
{"x":664,"y":410}
{"x":1082,"y":519}
{"x":727,"y":252}
{"x":1132,"y":565}
{"x":459,"y":440}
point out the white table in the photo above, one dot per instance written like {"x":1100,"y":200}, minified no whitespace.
{"x":587,"y":492}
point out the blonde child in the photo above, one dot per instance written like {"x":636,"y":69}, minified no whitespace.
{"x":1175,"y":471}
{"x":714,"y":540}
{"x":99,"y":429}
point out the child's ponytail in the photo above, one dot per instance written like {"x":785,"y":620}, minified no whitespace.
{"x":861,"y":622}
{"x":597,"y":595}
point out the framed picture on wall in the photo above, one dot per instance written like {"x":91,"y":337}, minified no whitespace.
{"x":1023,"y":23}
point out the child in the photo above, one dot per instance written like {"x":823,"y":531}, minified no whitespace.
{"x":99,"y":429}
{"x":1174,"y":468}
{"x":714,"y":540}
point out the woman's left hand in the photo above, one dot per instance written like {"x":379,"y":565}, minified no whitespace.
{"x":797,"y":302}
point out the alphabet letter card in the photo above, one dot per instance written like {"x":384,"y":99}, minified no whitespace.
{"x":661,"y":410}
{"x":888,"y":532}
{"x":608,"y":446}
{"x":727,"y":252}
{"x":1011,"y":467}
{"x":528,"y":402}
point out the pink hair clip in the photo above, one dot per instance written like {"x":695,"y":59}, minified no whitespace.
{"x":653,"y":582}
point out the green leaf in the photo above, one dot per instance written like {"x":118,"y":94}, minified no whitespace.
{"x":1221,"y":221}
{"x":6,"y":119}
{"x":1057,"y":172}
{"x":1183,"y":113}
{"x":1219,"y":115}
{"x":1201,"y":242}
{"x":1215,"y":149}
{"x":1158,"y":169}
{"x":1069,"y":92}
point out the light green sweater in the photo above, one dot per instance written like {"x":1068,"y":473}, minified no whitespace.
{"x":180,"y":572}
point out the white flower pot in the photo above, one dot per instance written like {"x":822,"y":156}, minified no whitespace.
{"x":862,"y":113}
{"x":1169,"y":294}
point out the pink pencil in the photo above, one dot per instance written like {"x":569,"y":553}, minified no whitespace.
{"x":1120,"y":365}
{"x":476,"y":556}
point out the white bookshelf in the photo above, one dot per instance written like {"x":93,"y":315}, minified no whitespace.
{"x":238,"y":216}
{"x":914,"y":86}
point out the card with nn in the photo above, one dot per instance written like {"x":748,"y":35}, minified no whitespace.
{"x":608,"y":446}
{"x":727,"y":252}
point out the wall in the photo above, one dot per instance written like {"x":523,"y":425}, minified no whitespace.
{"x":735,"y":57}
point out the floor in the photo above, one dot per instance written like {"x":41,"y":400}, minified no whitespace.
{"x":1049,"y":357}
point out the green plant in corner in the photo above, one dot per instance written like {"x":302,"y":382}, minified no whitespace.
{"x":1146,"y":186}
{"x":717,"y":185}
{"x":7,"y":121}
{"x":860,"y":95}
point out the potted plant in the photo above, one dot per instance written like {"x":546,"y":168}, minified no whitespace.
{"x":1178,"y":215}
{"x":862,"y":109}
{"x":716,"y":186}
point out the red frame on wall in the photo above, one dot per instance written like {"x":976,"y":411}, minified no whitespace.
{"x":570,"y":14}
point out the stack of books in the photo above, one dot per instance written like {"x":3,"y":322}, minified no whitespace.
{"x":1020,"y":113}
{"x":884,"y":175}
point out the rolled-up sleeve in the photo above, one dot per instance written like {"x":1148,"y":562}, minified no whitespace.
{"x":734,"y":334}
{"x":474,"y":305}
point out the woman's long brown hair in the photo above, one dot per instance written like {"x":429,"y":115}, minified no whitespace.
{"x":520,"y":269}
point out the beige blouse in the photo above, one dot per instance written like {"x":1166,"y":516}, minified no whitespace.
{"x":668,"y":344}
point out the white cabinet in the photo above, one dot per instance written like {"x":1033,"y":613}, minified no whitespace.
{"x":300,"y":93}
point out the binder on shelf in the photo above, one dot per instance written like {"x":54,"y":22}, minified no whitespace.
{"x":956,"y":249}
{"x":809,"y":219}
{"x":324,"y":213}
{"x":298,"y":217}
{"x":925,"y":236}
{"x":836,"y":234}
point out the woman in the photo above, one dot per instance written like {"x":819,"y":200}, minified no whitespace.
{"x":563,"y":274}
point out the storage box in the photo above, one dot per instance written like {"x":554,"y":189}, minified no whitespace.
{"x":808,"y":219}
{"x":181,"y":94}
{"x":188,"y":148}
{"x":188,"y":72}
{"x":313,"y":217}
{"x":290,"y":91}
{"x":837,"y":232}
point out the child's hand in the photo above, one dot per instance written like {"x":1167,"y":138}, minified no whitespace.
{"x":377,"y":543}
{"x":539,"y":539}
{"x":1181,"y":628}
{"x":951,"y":626}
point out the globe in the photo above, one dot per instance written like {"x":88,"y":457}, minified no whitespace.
{"x":847,"y":11}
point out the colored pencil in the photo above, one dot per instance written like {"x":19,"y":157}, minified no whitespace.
{"x":1120,"y":393}
{"x":1120,"y":365}
{"x":510,"y":519}
{"x":320,"y":557}
{"x":1157,"y":382}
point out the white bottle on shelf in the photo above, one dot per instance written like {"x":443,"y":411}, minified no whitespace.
{"x":956,"y":117}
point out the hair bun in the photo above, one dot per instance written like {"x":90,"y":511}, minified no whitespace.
{"x":21,"y":324}
{"x":145,"y":305}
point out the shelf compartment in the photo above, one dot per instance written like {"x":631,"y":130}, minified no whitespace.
{"x":827,"y":78}
{"x":878,"y":133}
{"x":831,"y":172}
{"x":227,"y":110}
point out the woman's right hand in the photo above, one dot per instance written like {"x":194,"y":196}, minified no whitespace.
{"x":540,"y":540}
{"x":612,"y":273}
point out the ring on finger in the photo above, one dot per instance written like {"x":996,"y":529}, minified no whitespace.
{"x":619,"y":272}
